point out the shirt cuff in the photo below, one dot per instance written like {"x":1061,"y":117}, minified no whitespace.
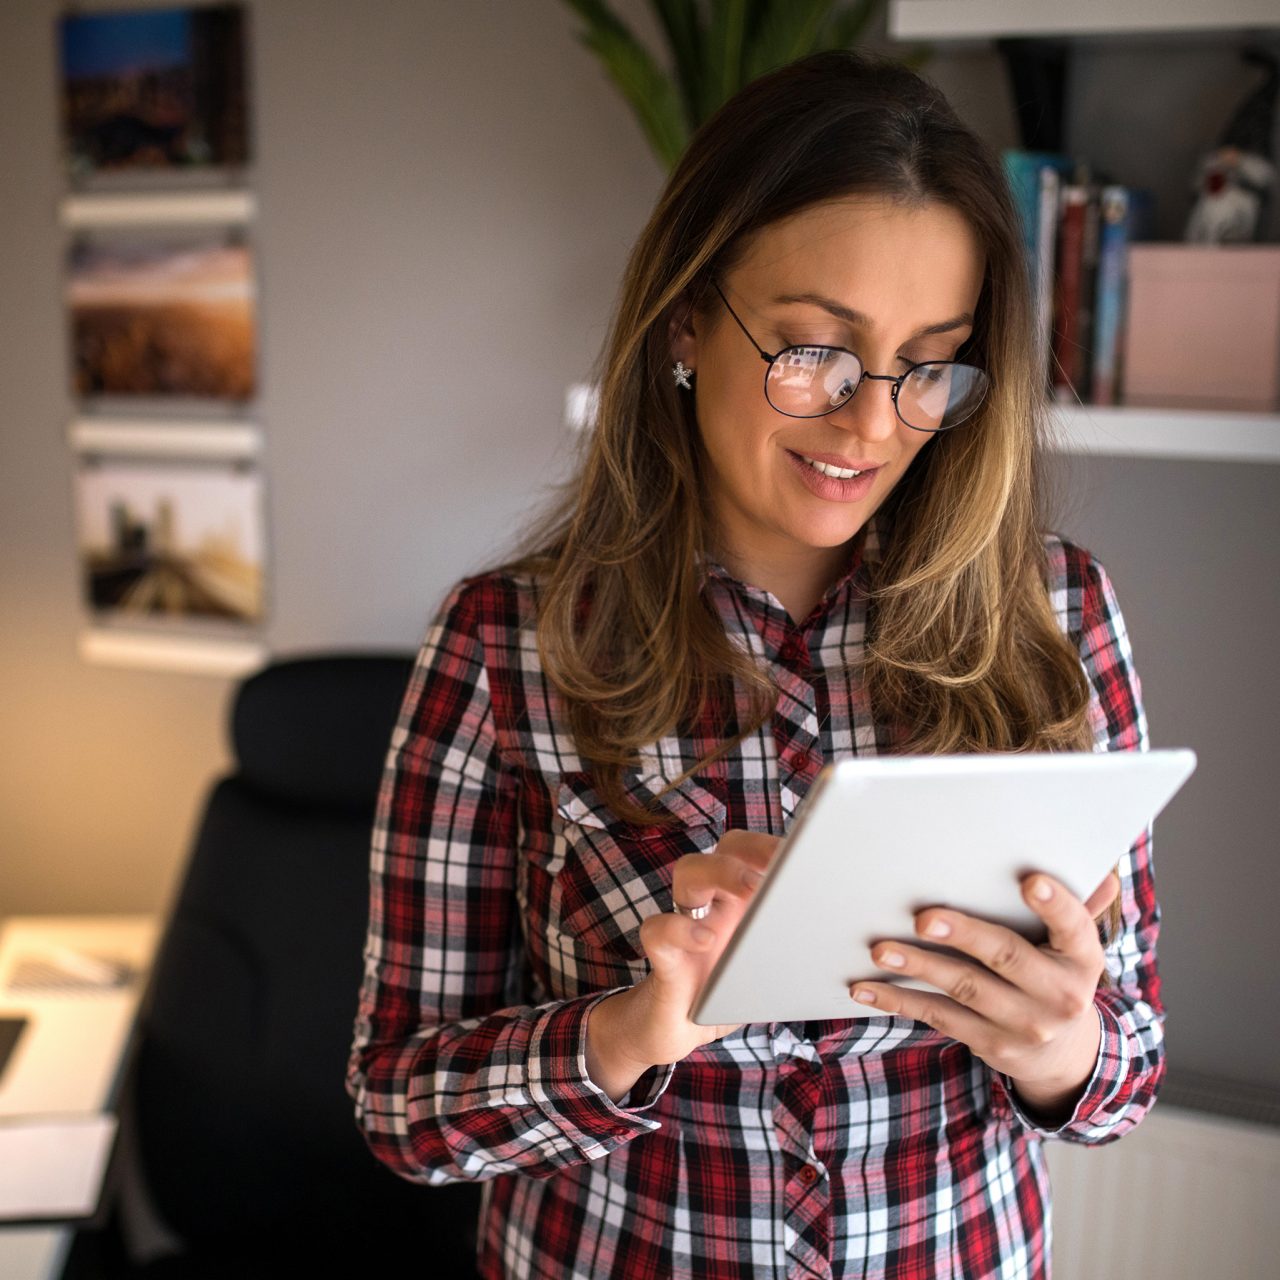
{"x":1108,"y":1075}
{"x":559,"y":1084}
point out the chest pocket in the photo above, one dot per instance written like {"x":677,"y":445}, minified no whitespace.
{"x":614,"y":874}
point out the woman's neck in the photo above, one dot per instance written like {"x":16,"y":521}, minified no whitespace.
{"x":798,"y":580}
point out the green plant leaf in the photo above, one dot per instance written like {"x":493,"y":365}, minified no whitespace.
{"x":787,"y":31}
{"x":645,"y":86}
{"x":716,"y":47}
{"x":847,"y":25}
{"x":722,"y":65}
{"x":683,"y":30}
{"x":597,"y":14}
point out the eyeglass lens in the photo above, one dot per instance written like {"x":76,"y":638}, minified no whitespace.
{"x":807,"y":382}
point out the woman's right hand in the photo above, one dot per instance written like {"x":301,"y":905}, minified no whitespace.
{"x":649,"y":1025}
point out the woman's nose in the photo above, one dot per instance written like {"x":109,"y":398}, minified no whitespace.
{"x":869,"y":413}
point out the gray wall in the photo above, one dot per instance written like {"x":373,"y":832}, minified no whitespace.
{"x":435,"y":178}
{"x":1191,"y":549}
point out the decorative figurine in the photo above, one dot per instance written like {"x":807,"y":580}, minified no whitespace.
{"x":1234,"y":181}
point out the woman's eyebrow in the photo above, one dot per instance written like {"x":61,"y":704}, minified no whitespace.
{"x":841,"y":312}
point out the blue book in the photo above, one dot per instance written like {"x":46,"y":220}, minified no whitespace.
{"x":1126,"y":215}
{"x":1035,"y":179}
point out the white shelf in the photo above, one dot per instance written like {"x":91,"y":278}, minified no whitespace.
{"x":230,"y":441}
{"x":193,"y":655}
{"x":1190,"y":434}
{"x":197,"y":208}
{"x":974,"y":19}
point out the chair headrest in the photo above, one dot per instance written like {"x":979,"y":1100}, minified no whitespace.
{"x":315,"y":730}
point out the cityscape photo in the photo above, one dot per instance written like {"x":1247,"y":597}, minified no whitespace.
{"x":171,"y":538}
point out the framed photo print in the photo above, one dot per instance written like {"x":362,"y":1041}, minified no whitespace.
{"x":155,"y":89}
{"x":163,"y":314}
{"x":170,"y":538}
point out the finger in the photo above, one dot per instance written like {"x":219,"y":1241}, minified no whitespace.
{"x":1072,"y":931}
{"x":669,"y":940}
{"x":701,"y":878}
{"x":968,"y":984}
{"x":1003,"y":951}
{"x":937,"y":1011}
{"x":752,"y":847}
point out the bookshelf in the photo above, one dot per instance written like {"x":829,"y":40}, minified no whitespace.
{"x":983,"y":19}
{"x":1205,"y":435}
{"x":1107,"y":430}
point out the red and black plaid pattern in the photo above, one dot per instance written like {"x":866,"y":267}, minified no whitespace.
{"x":506,"y":900}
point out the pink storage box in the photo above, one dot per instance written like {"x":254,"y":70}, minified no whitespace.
{"x":1203,"y":328}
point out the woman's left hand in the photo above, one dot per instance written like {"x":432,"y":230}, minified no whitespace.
{"x":1025,"y":1010}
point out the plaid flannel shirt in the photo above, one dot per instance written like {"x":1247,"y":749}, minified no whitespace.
{"x":506,"y":900}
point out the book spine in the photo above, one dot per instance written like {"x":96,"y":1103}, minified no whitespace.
{"x":1086,"y":315}
{"x":1022,"y":171}
{"x":1067,"y":294}
{"x":1046,"y":245}
{"x":1113,"y":249}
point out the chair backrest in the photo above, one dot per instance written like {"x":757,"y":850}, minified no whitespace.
{"x":244,"y":1125}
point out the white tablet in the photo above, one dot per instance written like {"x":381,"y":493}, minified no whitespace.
{"x":876,"y":840}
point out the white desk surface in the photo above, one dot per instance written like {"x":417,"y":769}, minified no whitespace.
{"x":68,"y":1057}
{"x":67,"y":1064}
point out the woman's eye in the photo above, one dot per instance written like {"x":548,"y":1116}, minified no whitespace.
{"x":813,"y":354}
{"x":811,"y":345}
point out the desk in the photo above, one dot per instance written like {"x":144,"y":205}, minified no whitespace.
{"x":64,"y":1078}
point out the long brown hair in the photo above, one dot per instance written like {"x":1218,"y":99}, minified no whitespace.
{"x":963,"y":651}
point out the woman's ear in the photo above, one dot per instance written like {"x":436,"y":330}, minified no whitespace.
{"x":680,"y":331}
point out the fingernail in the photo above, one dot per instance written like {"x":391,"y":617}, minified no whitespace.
{"x":863,"y":996}
{"x":752,"y":877}
{"x":893,"y":959}
{"x":703,"y":934}
{"x":1042,"y":890}
{"x":938,"y":929}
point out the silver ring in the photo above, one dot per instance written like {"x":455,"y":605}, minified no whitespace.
{"x":694,"y":913}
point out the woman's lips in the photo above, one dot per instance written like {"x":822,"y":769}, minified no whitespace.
{"x":837,"y":460}
{"x":832,"y":488}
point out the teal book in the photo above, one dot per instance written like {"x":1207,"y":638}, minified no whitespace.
{"x":1035,"y":179}
{"x":1126,"y":215}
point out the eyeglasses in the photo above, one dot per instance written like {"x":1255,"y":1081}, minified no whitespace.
{"x":810,"y":382}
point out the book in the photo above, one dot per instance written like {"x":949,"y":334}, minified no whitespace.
{"x":1034,"y":179}
{"x":1125,"y":215}
{"x":1075,"y":289}
{"x":1046,"y":266}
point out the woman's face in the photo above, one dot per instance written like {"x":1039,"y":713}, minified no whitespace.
{"x":860,"y":273}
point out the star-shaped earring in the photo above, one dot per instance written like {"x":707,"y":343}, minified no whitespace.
{"x":683,"y":375}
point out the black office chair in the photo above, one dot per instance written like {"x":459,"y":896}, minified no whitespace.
{"x":246,"y":1137}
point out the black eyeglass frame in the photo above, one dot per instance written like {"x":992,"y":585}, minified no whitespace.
{"x":897,"y":379}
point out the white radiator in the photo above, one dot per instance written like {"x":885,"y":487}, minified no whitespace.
{"x":1184,"y":1196}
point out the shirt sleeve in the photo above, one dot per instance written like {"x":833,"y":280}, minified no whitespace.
{"x":451,"y":1076}
{"x":1131,"y":1060}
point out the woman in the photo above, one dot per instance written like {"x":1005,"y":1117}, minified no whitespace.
{"x":805,"y":526}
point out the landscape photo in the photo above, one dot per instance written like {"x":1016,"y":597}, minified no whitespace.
{"x":175,"y":539}
{"x":154,"y":89}
{"x":165,"y":318}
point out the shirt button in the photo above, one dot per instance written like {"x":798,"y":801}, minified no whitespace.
{"x":808,"y":1175}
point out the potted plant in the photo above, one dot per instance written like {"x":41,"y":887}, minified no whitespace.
{"x":714,"y":47}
